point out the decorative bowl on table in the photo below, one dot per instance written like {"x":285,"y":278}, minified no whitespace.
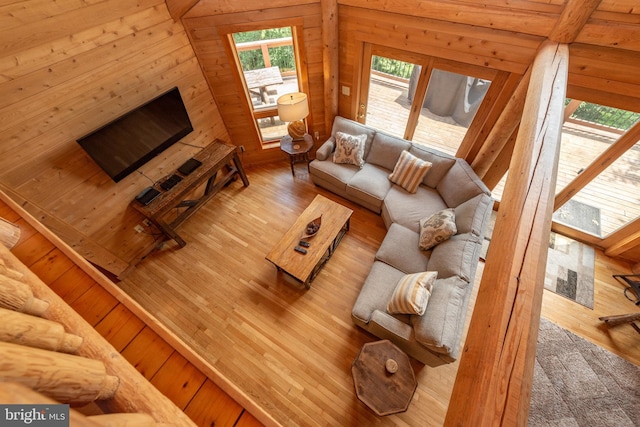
{"x":311,"y":229}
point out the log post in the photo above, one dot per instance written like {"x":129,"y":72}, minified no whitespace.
{"x":503,"y":129}
{"x":330,"y":60}
{"x":134,"y":392}
{"x":10,"y":273}
{"x":17,"y":296}
{"x":32,"y":331}
{"x":9,"y":233}
{"x":493,"y":382}
{"x":18,"y":394}
{"x":63,"y":377}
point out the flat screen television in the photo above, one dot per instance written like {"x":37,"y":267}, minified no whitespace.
{"x":128,"y":142}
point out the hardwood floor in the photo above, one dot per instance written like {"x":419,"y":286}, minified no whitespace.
{"x":171,"y":373}
{"x":291,"y":349}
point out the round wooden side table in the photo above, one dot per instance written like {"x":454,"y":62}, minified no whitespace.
{"x":383,"y":378}
{"x":298,"y":150}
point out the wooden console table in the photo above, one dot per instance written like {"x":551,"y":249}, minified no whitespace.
{"x":214,"y":157}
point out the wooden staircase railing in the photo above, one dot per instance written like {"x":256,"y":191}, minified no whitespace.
{"x":50,"y":354}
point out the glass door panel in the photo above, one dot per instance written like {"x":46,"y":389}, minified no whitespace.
{"x":388,"y":105}
{"x":450,"y":105}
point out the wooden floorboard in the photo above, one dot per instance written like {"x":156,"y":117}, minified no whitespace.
{"x":170,"y":372}
{"x":289,"y":348}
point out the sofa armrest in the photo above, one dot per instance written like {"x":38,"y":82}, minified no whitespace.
{"x":391,"y":325}
{"x":326,"y":149}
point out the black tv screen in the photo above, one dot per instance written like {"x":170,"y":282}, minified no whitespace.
{"x":125,"y":144}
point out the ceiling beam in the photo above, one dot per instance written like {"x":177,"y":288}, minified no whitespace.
{"x":177,"y":8}
{"x":572,"y":20}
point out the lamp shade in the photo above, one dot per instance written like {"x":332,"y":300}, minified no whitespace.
{"x":293,"y":106}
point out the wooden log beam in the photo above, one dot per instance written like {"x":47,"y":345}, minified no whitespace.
{"x":63,"y":377}
{"x":570,"y":109}
{"x":496,"y":368}
{"x":177,"y":8}
{"x":628,"y":237}
{"x":503,"y":129}
{"x":32,"y":331}
{"x":15,"y":295}
{"x":18,"y":394}
{"x":603,"y":161}
{"x":574,"y":16}
{"x":134,"y":393}
{"x":330,"y":61}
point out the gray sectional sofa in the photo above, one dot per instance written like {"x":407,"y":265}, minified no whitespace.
{"x":449,"y":183}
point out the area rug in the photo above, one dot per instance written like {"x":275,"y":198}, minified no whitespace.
{"x":576,"y":383}
{"x":579,"y":215}
{"x":570,"y":267}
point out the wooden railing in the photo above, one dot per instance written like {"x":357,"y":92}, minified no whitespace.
{"x":50,"y":354}
{"x":494,"y":379}
{"x":264,"y":46}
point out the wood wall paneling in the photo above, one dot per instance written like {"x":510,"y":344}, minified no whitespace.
{"x":207,"y":30}
{"x":66,"y":68}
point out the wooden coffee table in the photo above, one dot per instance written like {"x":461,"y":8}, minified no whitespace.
{"x":383,"y":378}
{"x":305,"y":267}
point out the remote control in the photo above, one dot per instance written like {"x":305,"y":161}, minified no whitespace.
{"x":301,"y":250}
{"x":304,"y":243}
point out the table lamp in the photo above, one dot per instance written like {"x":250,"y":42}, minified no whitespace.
{"x":293,"y":108}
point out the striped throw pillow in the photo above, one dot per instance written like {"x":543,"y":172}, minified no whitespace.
{"x":409,"y":171}
{"x":412,"y":293}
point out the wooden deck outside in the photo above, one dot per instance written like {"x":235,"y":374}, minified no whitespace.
{"x":616,"y":192}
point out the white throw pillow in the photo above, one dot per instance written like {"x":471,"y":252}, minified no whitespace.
{"x":412,"y":293}
{"x":349,"y":149}
{"x":437,"y":228}
{"x":409,"y":171}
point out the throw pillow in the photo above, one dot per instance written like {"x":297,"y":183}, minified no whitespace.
{"x":412,"y":293}
{"x":437,"y":228}
{"x":409,"y":171}
{"x":349,"y":149}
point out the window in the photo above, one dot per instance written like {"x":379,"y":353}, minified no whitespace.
{"x":269,"y":60}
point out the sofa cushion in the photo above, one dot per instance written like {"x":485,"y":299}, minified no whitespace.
{"x":349,"y":149}
{"x":376,"y":292}
{"x":386,"y":149}
{"x":334,"y":174}
{"x":340,"y":124}
{"x":371,"y":184}
{"x":409,"y":171}
{"x":400,"y":250}
{"x":457,"y":256}
{"x":460,"y":184}
{"x":440,"y":327}
{"x":472,"y":215}
{"x":437,"y":228}
{"x":411,"y":293}
{"x":408,"y":209}
{"x":440,"y":163}
{"x":326,"y":149}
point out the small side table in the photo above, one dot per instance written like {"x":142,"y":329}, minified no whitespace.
{"x":383,"y":378}
{"x":298,"y":151}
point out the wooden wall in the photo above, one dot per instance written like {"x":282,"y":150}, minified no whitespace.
{"x":604,"y":62}
{"x":66,"y":68}
{"x":207,"y":24}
